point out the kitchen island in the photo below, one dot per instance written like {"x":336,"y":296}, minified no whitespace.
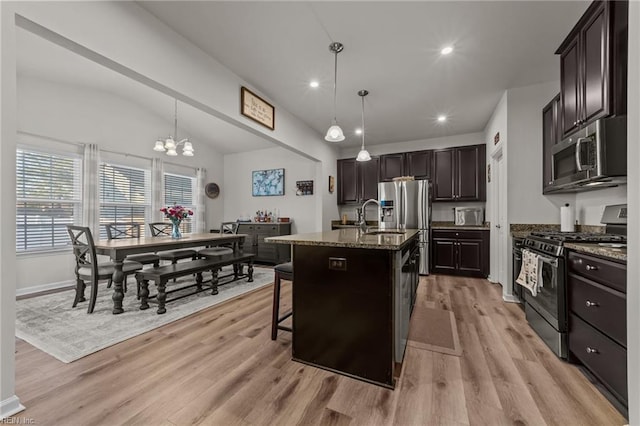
{"x":352,"y":298}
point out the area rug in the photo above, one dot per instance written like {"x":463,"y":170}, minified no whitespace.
{"x":434,"y":330}
{"x":50,"y":323}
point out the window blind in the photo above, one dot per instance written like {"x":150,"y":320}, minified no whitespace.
{"x":125,"y":195}
{"x":48,"y":197}
{"x":178,"y":189}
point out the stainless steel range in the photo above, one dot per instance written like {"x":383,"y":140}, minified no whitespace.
{"x":547,"y":312}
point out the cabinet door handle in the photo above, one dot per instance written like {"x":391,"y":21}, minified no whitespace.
{"x":591,"y":304}
{"x":592,"y":350}
{"x":592,"y":268}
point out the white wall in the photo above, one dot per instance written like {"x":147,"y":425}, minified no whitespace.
{"x":236,"y":189}
{"x":524,"y":157}
{"x":591,"y":204}
{"x":633,"y":192}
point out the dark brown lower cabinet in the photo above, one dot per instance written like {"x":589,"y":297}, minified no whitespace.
{"x":266,"y":252}
{"x":598,"y":322}
{"x":460,"y":252}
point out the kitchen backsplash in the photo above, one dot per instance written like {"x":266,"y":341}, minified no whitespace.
{"x":440,"y":212}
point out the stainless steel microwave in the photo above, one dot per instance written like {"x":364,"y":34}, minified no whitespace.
{"x":593,"y":157}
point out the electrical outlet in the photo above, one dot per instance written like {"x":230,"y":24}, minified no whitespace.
{"x":338,"y":263}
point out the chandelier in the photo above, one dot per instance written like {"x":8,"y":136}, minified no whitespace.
{"x":170,"y":145}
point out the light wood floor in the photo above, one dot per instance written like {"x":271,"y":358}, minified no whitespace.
{"x":219,"y":367}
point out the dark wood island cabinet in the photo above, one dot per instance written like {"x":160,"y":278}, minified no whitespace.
{"x":352,"y":300}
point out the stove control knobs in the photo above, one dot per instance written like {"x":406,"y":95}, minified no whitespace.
{"x":591,"y":268}
{"x":591,"y":304}
{"x":591,"y":350}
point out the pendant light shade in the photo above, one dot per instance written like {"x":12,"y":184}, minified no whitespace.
{"x":363,"y":155}
{"x":335,"y":133}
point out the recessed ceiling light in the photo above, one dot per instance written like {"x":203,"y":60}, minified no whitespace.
{"x":358,"y":131}
{"x":442,"y":118}
{"x":314,"y":84}
{"x":446,"y":50}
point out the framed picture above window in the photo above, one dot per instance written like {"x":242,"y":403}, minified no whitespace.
{"x":267,"y":182}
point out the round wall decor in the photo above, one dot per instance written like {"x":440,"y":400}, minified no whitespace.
{"x":212,"y":190}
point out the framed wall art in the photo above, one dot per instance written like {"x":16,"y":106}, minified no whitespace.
{"x":332,"y":184}
{"x":267,"y":182}
{"x":254,"y":107}
{"x":304,"y":187}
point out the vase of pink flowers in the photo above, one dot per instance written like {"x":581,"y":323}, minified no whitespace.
{"x":176,"y":214}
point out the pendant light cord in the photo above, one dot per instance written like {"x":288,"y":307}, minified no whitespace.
{"x":175,"y":120}
{"x":335,"y":87}
{"x":362,"y":122}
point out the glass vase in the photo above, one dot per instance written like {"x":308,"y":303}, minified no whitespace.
{"x":175,"y":230}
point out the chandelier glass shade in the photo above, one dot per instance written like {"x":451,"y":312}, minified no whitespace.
{"x":363,"y":155}
{"x":335,"y":133}
{"x":170,"y":145}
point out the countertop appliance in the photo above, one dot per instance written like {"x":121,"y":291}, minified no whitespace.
{"x":547,"y":312}
{"x":469,"y":216}
{"x":406,"y":205}
{"x":591,"y":158}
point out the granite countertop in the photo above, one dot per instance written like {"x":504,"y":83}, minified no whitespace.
{"x":348,"y":238}
{"x":616,"y":253}
{"x":452,"y":225}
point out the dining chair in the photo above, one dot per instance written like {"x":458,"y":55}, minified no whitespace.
{"x":87,"y":266}
{"x":122,"y":230}
{"x":163,"y":229}
{"x":222,"y":249}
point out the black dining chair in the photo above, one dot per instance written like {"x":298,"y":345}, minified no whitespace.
{"x":121,"y":230}
{"x":87,"y":267}
{"x":163,"y":229}
{"x":222,"y":249}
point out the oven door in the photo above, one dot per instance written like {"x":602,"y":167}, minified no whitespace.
{"x":550,"y":300}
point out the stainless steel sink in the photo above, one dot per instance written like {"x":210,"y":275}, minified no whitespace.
{"x":384,"y":232}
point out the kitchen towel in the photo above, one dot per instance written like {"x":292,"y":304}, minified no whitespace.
{"x":528,"y":276}
{"x":567,"y":218}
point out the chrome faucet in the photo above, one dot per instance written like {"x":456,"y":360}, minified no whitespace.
{"x":363,"y":222}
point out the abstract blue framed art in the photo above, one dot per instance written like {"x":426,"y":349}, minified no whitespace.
{"x":267,"y":182}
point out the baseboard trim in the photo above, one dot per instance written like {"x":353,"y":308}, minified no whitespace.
{"x":510,"y":298}
{"x":9,"y":407}
{"x":33,"y":290}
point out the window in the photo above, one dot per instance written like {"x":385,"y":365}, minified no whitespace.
{"x":178,"y":189}
{"x":48,"y":197}
{"x":124,"y":195}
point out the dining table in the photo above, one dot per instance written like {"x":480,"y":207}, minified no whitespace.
{"x":119,"y":249}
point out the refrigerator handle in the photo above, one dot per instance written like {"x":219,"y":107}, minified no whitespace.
{"x":402,"y":220}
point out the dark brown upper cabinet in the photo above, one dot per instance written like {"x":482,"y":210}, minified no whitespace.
{"x":418,"y":164}
{"x":357,"y":181}
{"x":458,"y":174}
{"x":593,"y":66}
{"x":415,"y":163}
{"x":391,"y":166}
{"x":550,"y":137}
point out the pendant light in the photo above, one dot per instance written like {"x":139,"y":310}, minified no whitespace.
{"x":335,"y":134}
{"x":170,"y":144}
{"x":363,"y":155}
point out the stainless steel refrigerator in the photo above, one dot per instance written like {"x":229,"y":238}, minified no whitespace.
{"x":407,"y":205}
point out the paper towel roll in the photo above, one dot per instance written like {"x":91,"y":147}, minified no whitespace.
{"x":567,"y":218}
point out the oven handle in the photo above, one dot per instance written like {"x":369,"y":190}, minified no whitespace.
{"x":551,"y":261}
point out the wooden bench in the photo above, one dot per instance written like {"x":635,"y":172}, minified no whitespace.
{"x":162,"y":274}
